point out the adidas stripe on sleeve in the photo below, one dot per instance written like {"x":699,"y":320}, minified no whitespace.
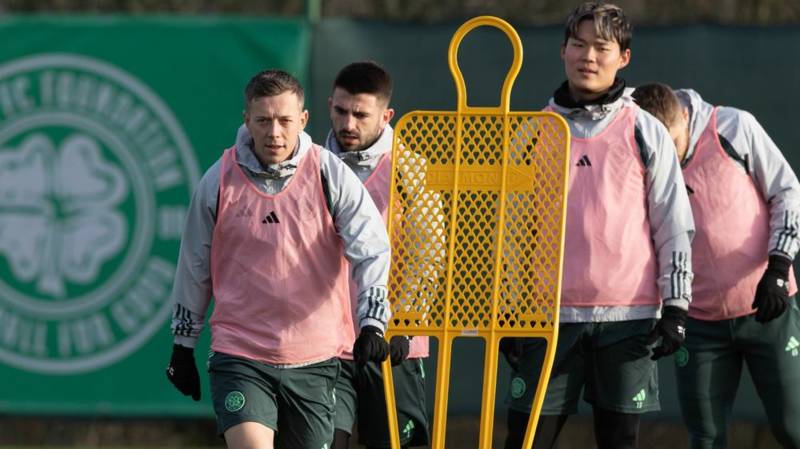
{"x":363,"y":233}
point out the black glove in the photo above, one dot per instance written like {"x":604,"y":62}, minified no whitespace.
{"x":370,"y":346}
{"x":671,"y":328}
{"x":398,"y":349}
{"x":511,"y":348}
{"x":772,"y":292}
{"x":182,"y":371}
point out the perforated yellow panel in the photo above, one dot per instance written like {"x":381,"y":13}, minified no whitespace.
{"x":472,"y":253}
{"x":476,"y":222}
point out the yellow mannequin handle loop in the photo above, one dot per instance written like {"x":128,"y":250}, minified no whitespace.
{"x":452,"y":59}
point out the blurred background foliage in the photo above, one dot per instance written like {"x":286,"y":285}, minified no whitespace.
{"x":521,"y":12}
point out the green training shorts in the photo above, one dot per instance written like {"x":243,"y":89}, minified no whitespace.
{"x":608,"y":362}
{"x":709,"y":367}
{"x":346,"y":397}
{"x":360,"y":393}
{"x":298,"y":403}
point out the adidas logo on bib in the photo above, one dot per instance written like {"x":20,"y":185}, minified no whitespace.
{"x":271,"y":218}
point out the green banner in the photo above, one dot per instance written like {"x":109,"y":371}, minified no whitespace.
{"x":106,"y":125}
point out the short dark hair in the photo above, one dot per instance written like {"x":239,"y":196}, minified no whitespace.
{"x":365,"y":77}
{"x":610,"y":23}
{"x":270,"y":83}
{"x":659,"y":100}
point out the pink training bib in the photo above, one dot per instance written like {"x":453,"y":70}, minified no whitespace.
{"x":278,"y":270}
{"x":609,"y":259}
{"x":729,"y":250}
{"x":378,"y":184}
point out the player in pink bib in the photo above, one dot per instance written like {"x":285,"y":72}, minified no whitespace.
{"x":276,"y":231}
{"x":746,"y":201}
{"x":361,"y":136}
{"x":626,"y":283}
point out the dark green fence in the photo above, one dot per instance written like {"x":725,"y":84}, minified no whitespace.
{"x":138,"y":108}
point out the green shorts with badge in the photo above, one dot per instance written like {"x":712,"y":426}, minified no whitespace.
{"x":360,"y":392}
{"x":298,"y":403}
{"x":709,"y":367}
{"x":609,"y":362}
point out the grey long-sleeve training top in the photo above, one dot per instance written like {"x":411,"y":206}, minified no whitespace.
{"x":747,"y":143}
{"x":357,"y":220}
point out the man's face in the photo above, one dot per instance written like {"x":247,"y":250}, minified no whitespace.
{"x":679,"y":132}
{"x":275,"y":124}
{"x":357,"y":120}
{"x":591,"y":63}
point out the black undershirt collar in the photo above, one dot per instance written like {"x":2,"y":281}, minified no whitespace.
{"x":563,"y":98}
